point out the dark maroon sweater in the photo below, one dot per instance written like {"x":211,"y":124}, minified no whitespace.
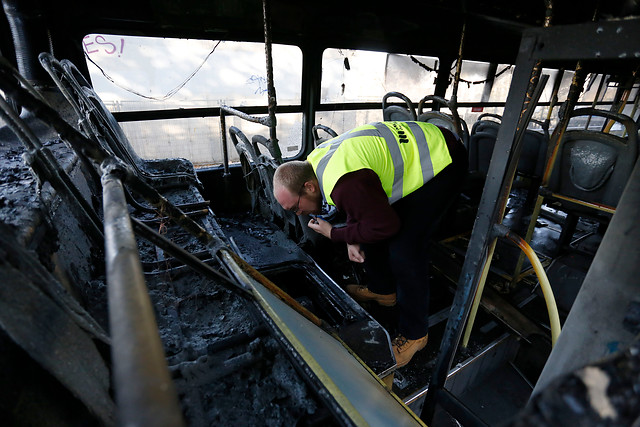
{"x":370,"y":217}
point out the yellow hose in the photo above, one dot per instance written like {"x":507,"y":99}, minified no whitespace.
{"x":554,"y":318}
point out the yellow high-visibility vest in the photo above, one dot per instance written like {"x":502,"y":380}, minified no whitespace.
{"x":404,"y":155}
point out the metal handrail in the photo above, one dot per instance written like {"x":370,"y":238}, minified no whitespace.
{"x":264,"y":120}
{"x":145,"y":392}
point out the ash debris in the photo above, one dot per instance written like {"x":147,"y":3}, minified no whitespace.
{"x":227,"y":366}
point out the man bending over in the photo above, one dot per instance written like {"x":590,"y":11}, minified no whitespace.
{"x":394,"y":181}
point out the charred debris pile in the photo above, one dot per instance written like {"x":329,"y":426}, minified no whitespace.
{"x":227,"y":362}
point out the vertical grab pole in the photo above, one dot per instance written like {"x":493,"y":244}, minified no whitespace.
{"x":223,"y":139}
{"x":596,"y":98}
{"x":535,"y":76}
{"x":271,"y":90}
{"x":453,"y":103}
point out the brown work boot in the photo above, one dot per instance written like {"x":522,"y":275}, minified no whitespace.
{"x":362,"y":293}
{"x":404,"y":349}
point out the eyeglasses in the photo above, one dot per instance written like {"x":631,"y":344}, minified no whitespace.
{"x":296,"y":208}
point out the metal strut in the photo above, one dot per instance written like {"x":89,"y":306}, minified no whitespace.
{"x":491,"y":210}
{"x":271,"y":89}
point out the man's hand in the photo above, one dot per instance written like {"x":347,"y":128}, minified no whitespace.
{"x":321,"y":226}
{"x":355,"y":253}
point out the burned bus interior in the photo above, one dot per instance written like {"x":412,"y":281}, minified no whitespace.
{"x":149,"y":276}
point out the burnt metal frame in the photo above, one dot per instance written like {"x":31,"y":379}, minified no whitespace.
{"x":124,"y":268}
{"x":268,"y":121}
{"x":136,"y":348}
{"x":186,"y":113}
{"x":145,"y":393}
{"x":613,"y":40}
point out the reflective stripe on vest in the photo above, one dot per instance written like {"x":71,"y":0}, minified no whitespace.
{"x":380,"y":147}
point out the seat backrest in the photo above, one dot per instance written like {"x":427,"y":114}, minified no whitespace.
{"x":487,"y":122}
{"x":397,"y":113}
{"x":534,"y":154}
{"x":593,"y":166}
{"x":485,"y":126}
{"x":317,"y":139}
{"x":446,"y":121}
{"x":439,"y":119}
{"x":482,"y":141}
{"x":481,"y":146}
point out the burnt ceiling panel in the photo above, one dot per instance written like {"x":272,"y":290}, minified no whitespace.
{"x":431,"y":27}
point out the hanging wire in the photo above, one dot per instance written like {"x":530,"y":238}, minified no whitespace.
{"x":477,"y":82}
{"x":168,"y":94}
{"x":423,"y":65}
{"x":468,"y":82}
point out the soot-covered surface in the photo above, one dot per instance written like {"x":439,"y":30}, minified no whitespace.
{"x":227,"y":368}
{"x":228,"y":365}
{"x":19,"y":198}
{"x":294,"y":271}
{"x":259,"y":243}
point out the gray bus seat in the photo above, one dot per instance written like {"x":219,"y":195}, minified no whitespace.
{"x":452,"y":121}
{"x":483,"y":124}
{"x":317,"y":140}
{"x":98,"y":122}
{"x":531,"y":163}
{"x":396,"y":113}
{"x":590,"y":172}
{"x":593,"y":166}
{"x":484,"y":133}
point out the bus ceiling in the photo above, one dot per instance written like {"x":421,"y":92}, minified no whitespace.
{"x":431,"y":28}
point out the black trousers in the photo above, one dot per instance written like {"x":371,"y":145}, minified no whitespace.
{"x":401,"y":264}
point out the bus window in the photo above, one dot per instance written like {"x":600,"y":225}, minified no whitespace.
{"x":357,"y":76}
{"x":473,"y":75}
{"x":344,"y":120}
{"x":145,"y":73}
{"x":477,"y":87}
{"x":601,"y":88}
{"x":414,"y":76}
{"x":352,"y":76}
{"x":198,"y":139}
